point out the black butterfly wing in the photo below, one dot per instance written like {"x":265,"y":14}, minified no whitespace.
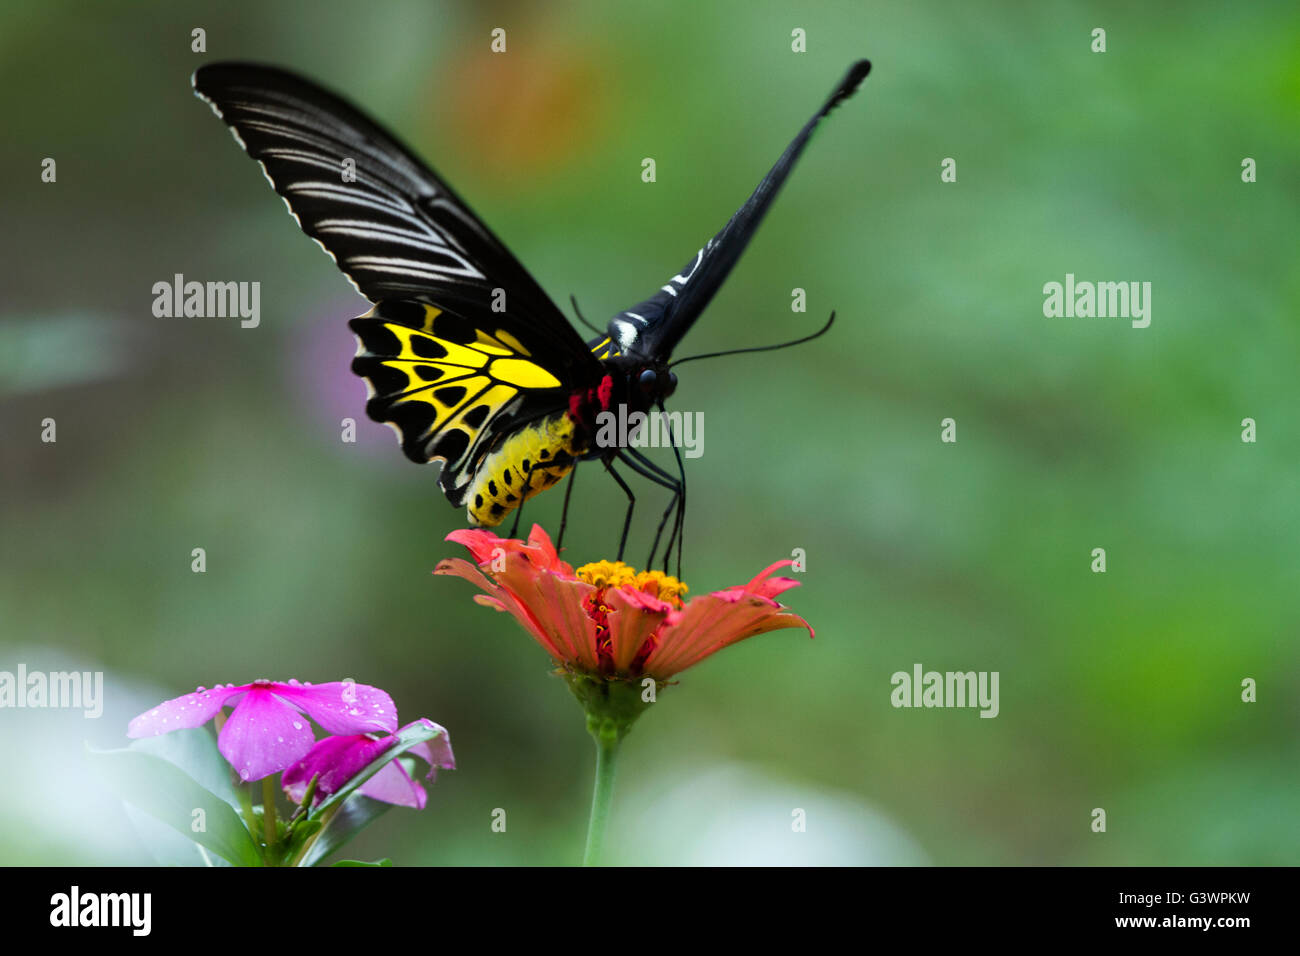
{"x":654,"y":327}
{"x":463,"y":343}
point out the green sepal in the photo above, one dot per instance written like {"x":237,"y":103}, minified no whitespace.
{"x":612,"y":706}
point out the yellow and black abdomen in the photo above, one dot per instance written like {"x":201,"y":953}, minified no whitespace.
{"x":530,"y":460}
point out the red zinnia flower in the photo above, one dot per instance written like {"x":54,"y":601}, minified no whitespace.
{"x":607,"y":620}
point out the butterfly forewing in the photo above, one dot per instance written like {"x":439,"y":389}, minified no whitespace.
{"x":391,"y":224}
{"x":462,"y":346}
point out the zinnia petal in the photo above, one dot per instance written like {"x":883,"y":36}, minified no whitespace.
{"x":770,"y":587}
{"x":555,"y":604}
{"x":502,"y":599}
{"x":540,"y":544}
{"x":263,"y":735}
{"x":633,"y":618}
{"x":482,"y":544}
{"x":486,"y":546}
{"x":189,"y":710}
{"x":709,"y":623}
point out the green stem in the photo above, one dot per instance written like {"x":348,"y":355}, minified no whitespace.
{"x":268,"y":810}
{"x":606,"y":753}
{"x":325,"y":819}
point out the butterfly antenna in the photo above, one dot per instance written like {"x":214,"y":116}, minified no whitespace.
{"x":762,"y":348}
{"x":578,"y":313}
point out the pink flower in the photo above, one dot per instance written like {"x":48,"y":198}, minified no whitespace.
{"x":267,"y":732}
{"x":339,"y":759}
{"x":608,"y":620}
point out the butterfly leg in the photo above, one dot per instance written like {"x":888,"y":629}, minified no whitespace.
{"x":680,"y":530}
{"x":679,"y":527}
{"x":644,"y":467}
{"x":631,"y":504}
{"x":564,"y":515}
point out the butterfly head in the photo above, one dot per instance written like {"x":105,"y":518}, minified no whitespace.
{"x":655,"y":384}
{"x":640,"y":360}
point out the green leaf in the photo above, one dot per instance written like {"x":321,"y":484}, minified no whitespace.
{"x":384,"y":862}
{"x":349,"y":820}
{"x":302,"y":831}
{"x":194,"y":751}
{"x":165,"y":845}
{"x":163,"y":790}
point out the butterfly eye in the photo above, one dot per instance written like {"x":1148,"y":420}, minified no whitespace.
{"x":648,"y":380}
{"x":671,"y":385}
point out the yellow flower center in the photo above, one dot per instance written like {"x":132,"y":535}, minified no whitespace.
{"x":616,"y":574}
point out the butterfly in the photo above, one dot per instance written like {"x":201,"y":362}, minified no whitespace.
{"x":465,"y":356}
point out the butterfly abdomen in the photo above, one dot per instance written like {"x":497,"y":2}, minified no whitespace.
{"x":529,"y":461}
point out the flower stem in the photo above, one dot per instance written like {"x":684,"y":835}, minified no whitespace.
{"x":268,"y":810}
{"x":606,"y":753}
{"x":246,"y":805}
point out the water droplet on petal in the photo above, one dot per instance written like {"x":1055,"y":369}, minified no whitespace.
{"x":297,"y":725}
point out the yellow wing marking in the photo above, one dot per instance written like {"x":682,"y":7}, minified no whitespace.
{"x":431,"y":312}
{"x":513,"y":342}
{"x":487,"y":355}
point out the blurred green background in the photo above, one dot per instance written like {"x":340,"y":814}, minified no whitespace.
{"x":1119,"y":691}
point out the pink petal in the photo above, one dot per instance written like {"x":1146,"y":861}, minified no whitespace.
{"x":436,"y":752}
{"x":190,"y":710}
{"x":343,"y":707}
{"x":394,"y":785}
{"x":336,"y":759}
{"x":263,"y":735}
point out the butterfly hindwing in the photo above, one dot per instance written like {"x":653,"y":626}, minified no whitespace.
{"x":450,"y":388}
